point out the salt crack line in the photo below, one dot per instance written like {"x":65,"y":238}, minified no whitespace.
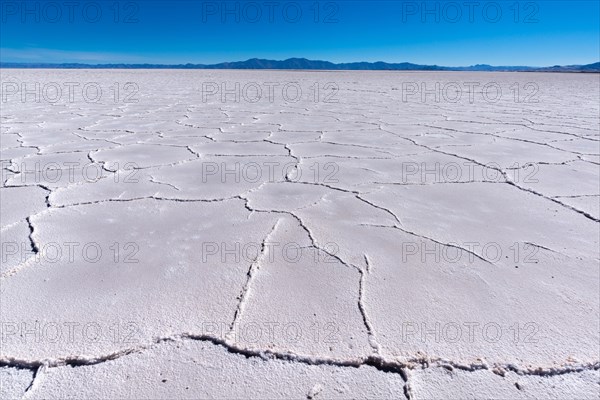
{"x":252,"y":270}
{"x":363,"y":310}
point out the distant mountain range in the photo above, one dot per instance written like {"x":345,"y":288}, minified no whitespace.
{"x":304,"y":64}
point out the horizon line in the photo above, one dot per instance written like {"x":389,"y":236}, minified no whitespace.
{"x":343,"y":65}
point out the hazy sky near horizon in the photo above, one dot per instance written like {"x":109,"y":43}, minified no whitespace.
{"x":451,"y":33}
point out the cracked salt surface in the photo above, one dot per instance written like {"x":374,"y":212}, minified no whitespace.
{"x":14,"y":382}
{"x":369,"y":248}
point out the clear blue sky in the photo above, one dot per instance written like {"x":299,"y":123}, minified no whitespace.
{"x":452,"y":33}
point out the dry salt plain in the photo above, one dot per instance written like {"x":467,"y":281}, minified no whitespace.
{"x":361,"y":241}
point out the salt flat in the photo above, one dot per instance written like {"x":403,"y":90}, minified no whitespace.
{"x":275,"y":234}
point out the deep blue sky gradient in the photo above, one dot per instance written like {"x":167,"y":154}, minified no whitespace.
{"x":542,"y":33}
